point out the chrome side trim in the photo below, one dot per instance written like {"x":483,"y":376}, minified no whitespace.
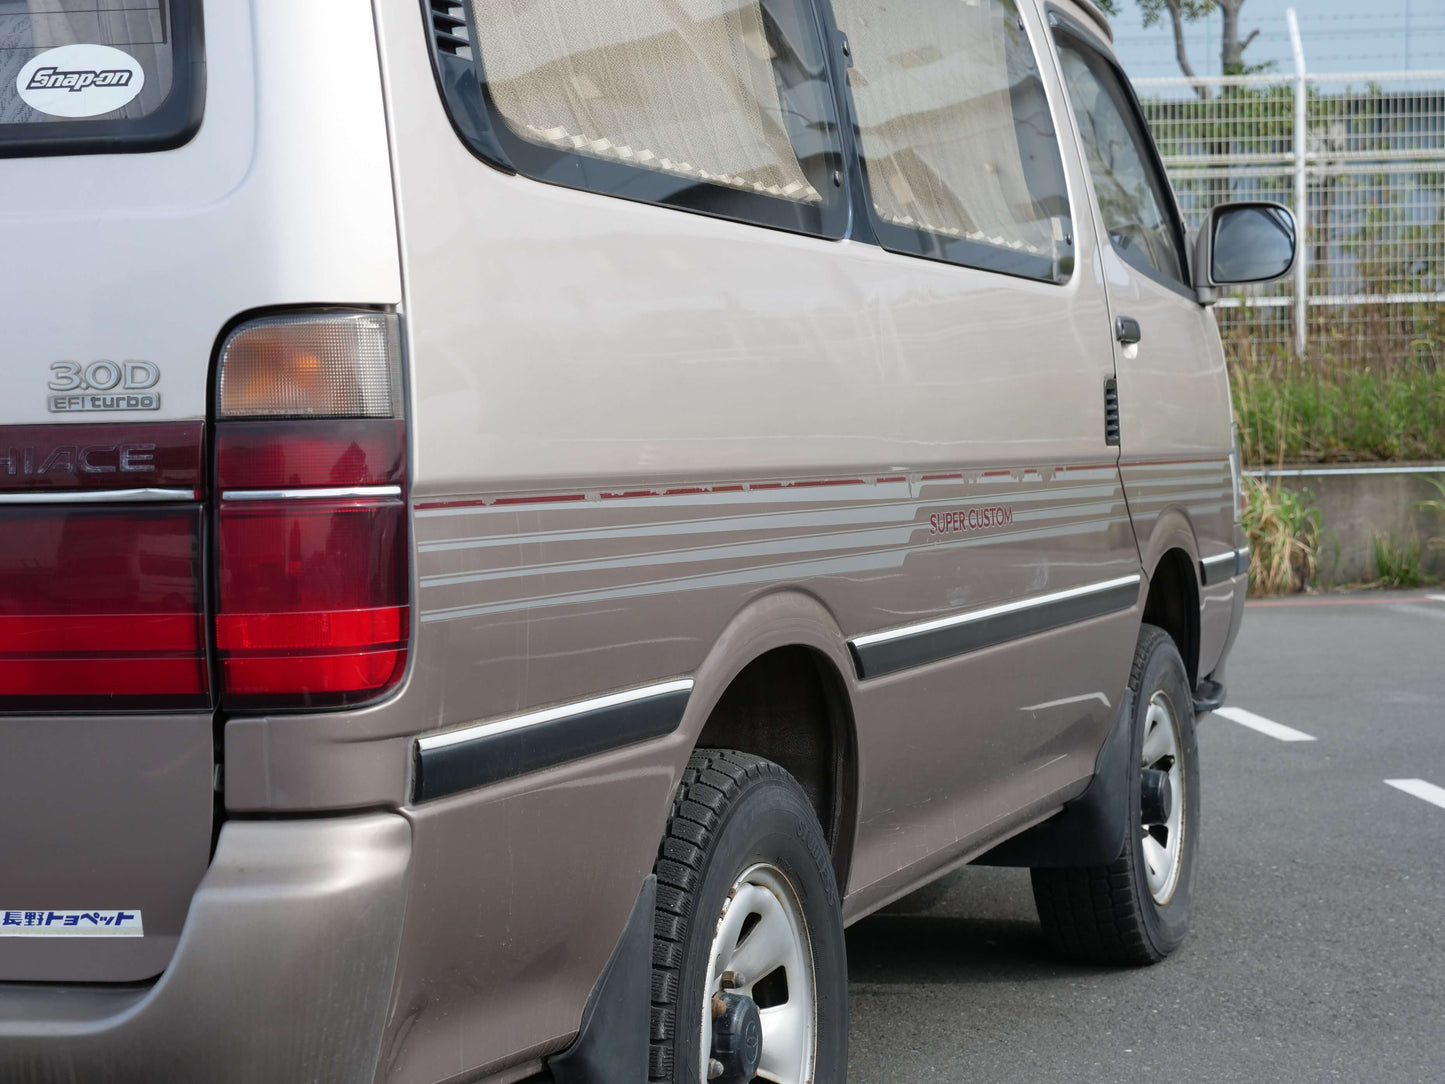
{"x":993,"y":611}
{"x":100,"y":496}
{"x":320,"y":492}
{"x":475,"y":756}
{"x":1223,"y":566}
{"x":892,"y":650}
{"x":551,"y":715}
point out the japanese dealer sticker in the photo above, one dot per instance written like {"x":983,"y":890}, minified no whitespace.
{"x":71,"y":924}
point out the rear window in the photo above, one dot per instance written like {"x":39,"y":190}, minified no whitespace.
{"x":99,"y":76}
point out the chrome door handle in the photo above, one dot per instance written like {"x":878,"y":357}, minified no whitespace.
{"x":1126,"y":330}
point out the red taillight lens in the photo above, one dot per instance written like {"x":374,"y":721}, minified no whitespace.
{"x":101,"y":608}
{"x":312,"y":600}
{"x":312,"y":548}
{"x":272,"y":455}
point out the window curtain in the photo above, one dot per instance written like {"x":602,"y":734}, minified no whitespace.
{"x":684,"y":87}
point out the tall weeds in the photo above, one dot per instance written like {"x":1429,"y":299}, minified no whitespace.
{"x":1436,"y":505}
{"x":1320,"y":410}
{"x":1283,"y":537}
{"x":1398,"y":564}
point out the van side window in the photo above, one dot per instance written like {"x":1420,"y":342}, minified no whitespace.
{"x":1134,"y":199}
{"x":720,"y":106}
{"x":959,"y":148}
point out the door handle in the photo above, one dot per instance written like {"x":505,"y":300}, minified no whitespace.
{"x":1126,"y":330}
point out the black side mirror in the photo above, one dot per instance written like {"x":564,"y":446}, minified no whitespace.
{"x":1241,"y":243}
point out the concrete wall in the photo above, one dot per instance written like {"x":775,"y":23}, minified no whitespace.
{"x":1357,"y":503}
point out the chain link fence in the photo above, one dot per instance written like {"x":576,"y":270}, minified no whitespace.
{"x":1364,"y":156}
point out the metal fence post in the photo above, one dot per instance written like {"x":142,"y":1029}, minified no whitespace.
{"x":1301,"y":187}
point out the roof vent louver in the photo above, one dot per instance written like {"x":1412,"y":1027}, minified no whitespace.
{"x":449,"y":25}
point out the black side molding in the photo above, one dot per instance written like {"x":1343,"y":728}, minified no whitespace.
{"x":613,"y":1045}
{"x":500,"y":752}
{"x":1224,"y":566}
{"x":874,"y":657}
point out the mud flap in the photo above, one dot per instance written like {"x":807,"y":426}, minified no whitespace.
{"x":612,"y":1045}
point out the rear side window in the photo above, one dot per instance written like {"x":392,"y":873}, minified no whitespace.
{"x":959,"y":148}
{"x":720,"y":106}
{"x":80,"y":76}
{"x":1133,"y":198}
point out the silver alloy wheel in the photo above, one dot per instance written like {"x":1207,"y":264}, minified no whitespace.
{"x":1164,"y":840}
{"x":745,"y":953}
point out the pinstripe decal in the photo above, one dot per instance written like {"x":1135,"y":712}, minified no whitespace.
{"x":731,"y":536}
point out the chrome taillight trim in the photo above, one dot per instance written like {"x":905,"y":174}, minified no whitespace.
{"x":101,"y":496}
{"x":313,"y":493}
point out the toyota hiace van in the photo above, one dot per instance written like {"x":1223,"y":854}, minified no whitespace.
{"x":521,"y":519}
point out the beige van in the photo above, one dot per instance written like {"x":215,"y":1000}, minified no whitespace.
{"x":521,"y":519}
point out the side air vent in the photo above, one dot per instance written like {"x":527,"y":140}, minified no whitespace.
{"x":449,"y":24}
{"x":1111,"y":412}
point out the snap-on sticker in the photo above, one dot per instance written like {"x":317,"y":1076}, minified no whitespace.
{"x":71,"y":924}
{"x":80,"y":80}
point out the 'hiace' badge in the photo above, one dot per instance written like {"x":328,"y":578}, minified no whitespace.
{"x":80,"y":81}
{"x":103,"y":385}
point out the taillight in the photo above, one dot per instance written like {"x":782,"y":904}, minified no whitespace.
{"x":312,"y":548}
{"x":100,"y":567}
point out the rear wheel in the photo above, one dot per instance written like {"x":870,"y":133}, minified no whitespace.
{"x":749,"y":965}
{"x":1135,"y":910}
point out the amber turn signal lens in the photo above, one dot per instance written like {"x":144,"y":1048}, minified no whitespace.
{"x":328,"y":365}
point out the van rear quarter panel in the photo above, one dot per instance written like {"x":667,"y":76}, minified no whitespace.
{"x":634,"y":429}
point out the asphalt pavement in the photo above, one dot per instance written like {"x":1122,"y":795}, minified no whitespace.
{"x":1317,"y":951}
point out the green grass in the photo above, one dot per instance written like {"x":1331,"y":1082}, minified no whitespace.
{"x":1314,"y":411}
{"x":1399,"y":564}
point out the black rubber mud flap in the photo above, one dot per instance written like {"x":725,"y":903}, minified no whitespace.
{"x":1089,"y":831}
{"x":612,"y":1045}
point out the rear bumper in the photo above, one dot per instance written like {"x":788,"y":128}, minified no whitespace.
{"x":283,"y":972}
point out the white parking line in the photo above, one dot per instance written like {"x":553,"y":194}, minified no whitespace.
{"x":1436,"y":598}
{"x":1427,"y":792}
{"x":1278,"y":731}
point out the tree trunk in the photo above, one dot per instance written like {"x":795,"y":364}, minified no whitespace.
{"x":1231,"y":49}
{"x":1180,"y":53}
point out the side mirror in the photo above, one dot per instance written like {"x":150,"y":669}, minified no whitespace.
{"x":1241,"y":243}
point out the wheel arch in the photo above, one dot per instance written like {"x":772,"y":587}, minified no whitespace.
{"x":1171,"y":565}
{"x":779,"y":684}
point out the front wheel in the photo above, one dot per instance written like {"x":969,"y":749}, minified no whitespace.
{"x":1135,"y":910}
{"x":750,"y":977}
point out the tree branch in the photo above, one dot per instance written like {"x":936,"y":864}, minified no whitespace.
{"x":1181,"y":54}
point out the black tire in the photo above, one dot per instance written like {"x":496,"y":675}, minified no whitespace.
{"x":1107,"y":914}
{"x":732,"y":811}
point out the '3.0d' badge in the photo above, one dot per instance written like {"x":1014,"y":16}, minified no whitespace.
{"x":103,"y":385}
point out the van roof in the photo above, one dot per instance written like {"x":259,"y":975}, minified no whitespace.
{"x":1095,"y":12}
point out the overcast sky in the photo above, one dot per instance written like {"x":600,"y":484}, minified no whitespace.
{"x":1339,"y":36}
